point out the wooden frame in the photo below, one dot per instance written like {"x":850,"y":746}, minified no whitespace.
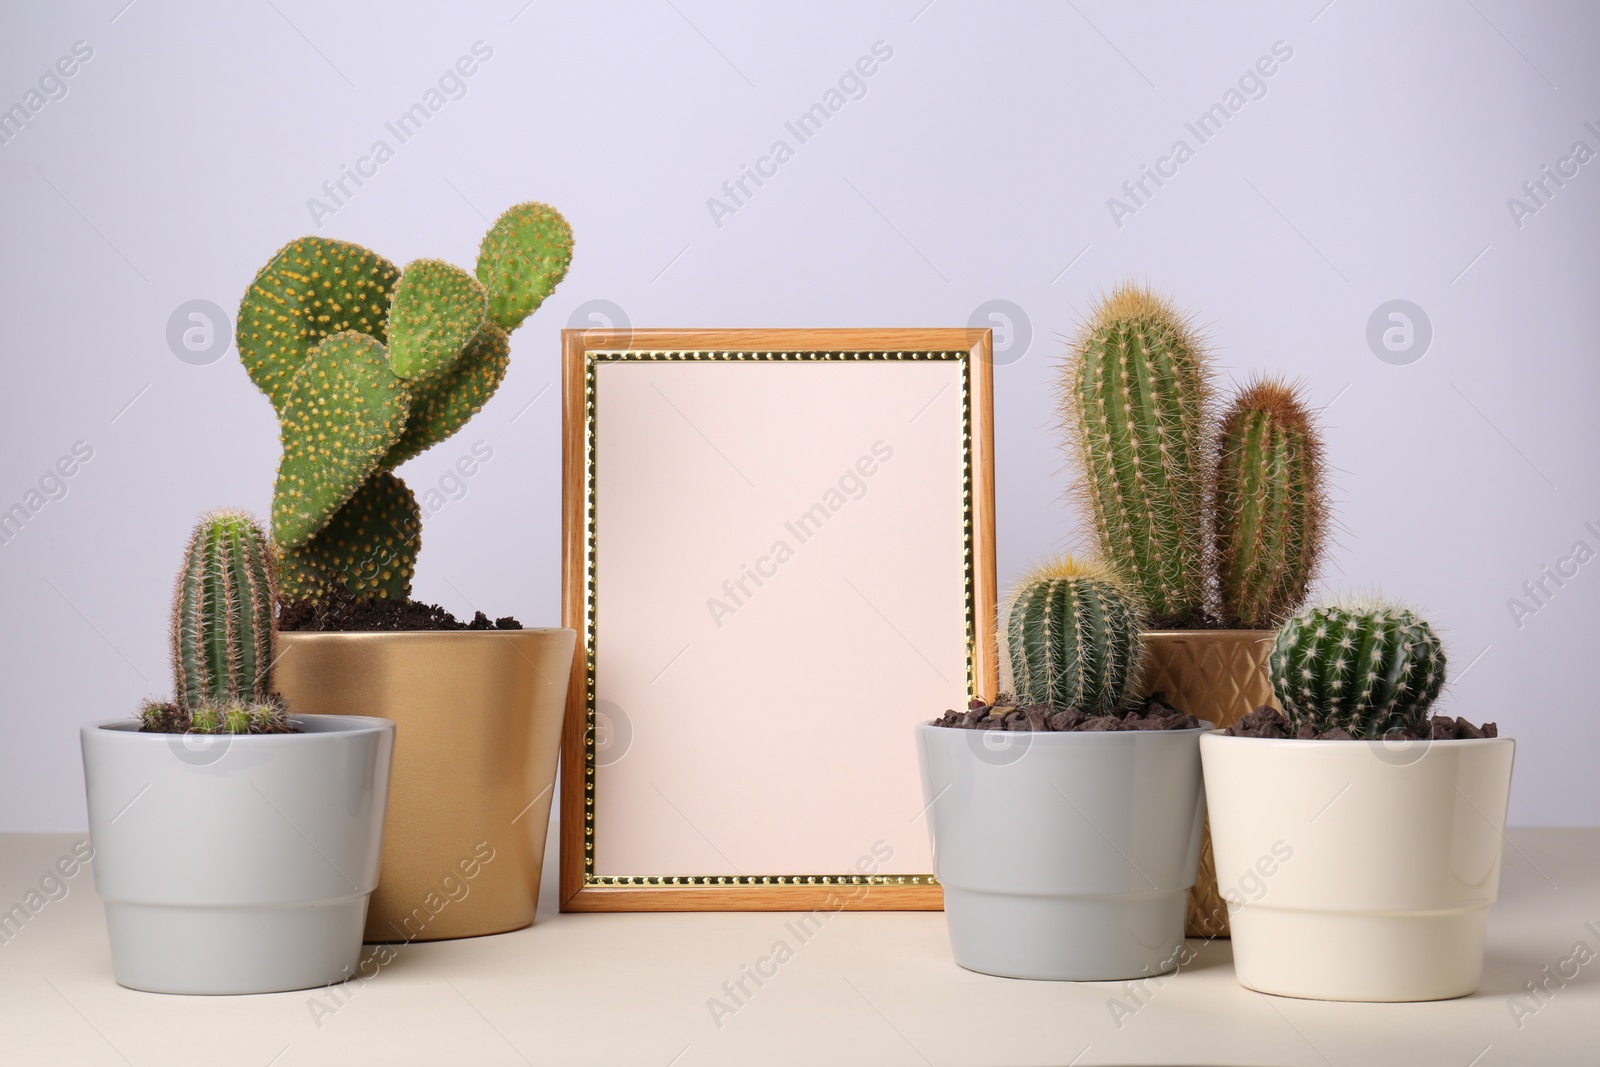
{"x":583,"y":351}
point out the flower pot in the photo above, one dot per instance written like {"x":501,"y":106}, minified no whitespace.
{"x":1218,"y":676}
{"x":1064,"y":856}
{"x":1358,"y":870}
{"x":236,"y":864}
{"x":479,"y":728}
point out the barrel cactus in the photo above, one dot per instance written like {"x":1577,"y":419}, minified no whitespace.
{"x":1366,"y":666}
{"x":1073,"y":638}
{"x":1136,"y":399}
{"x":1271,"y":507}
{"x":223,"y":632}
{"x":367,"y":366}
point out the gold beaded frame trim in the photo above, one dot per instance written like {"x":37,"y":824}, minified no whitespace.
{"x":582,"y":888}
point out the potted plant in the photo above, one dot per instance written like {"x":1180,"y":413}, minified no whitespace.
{"x":1066,"y":822}
{"x":367,"y":366}
{"x":1368,"y":836}
{"x":1218,"y":524}
{"x":235,"y":847}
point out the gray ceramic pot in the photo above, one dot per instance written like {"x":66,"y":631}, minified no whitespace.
{"x":237,"y":864}
{"x":1064,"y":856}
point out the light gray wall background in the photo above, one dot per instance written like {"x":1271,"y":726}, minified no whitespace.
{"x":1377,"y":164}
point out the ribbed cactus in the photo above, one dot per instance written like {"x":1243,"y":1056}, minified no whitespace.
{"x":1271,"y":507}
{"x":223,"y":630}
{"x":1367,"y":666}
{"x":1073,"y":638}
{"x":367,"y":367}
{"x":1137,"y":396}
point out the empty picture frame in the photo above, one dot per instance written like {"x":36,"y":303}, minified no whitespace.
{"x":779,"y":557}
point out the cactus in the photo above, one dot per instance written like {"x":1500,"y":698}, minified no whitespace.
{"x":1366,"y":666}
{"x":310,"y":289}
{"x":522,"y":259}
{"x":367,"y":367}
{"x":1271,"y":509}
{"x":1136,"y":400}
{"x":1073,"y":638}
{"x":223,"y":632}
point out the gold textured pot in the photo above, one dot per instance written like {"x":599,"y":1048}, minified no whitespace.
{"x":477,"y":730}
{"x":1219,"y":676}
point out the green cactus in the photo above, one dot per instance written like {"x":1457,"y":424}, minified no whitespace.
{"x":442,"y":406}
{"x":223,"y":633}
{"x":437,"y":308}
{"x":368,"y":367}
{"x":345,"y":411}
{"x":522,"y":259}
{"x":1271,"y":507}
{"x":312,"y":288}
{"x":1073,"y":638}
{"x":1137,"y":398}
{"x":1366,"y":666}
{"x":369,"y":548}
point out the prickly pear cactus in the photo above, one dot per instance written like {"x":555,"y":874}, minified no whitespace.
{"x":1367,"y":666}
{"x":222,"y":613}
{"x":522,"y":259}
{"x":367,"y":367}
{"x":1136,"y":399}
{"x":345,"y":411}
{"x":369,"y":548}
{"x":1073,"y":638}
{"x":312,"y":288}
{"x":437,"y":309}
{"x":1271,"y":506}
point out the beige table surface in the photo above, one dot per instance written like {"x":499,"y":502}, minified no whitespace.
{"x":867,"y":988}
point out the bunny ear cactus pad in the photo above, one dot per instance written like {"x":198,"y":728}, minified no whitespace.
{"x":1272,"y":511}
{"x":312,"y":288}
{"x":370,"y":546}
{"x":437,"y":308}
{"x":1074,"y":639}
{"x":344,"y":412}
{"x":1369,"y":667}
{"x":443,"y":405}
{"x":1136,"y":400}
{"x":522,"y":259}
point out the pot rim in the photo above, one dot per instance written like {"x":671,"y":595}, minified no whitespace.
{"x":1204,"y":728}
{"x":1304,"y":743}
{"x":343,"y":725}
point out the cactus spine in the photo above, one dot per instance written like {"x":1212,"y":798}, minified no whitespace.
{"x":223,"y":630}
{"x":1073,"y":637}
{"x":367,"y":366}
{"x":1137,"y":396}
{"x":1369,"y":667}
{"x":1271,"y":508}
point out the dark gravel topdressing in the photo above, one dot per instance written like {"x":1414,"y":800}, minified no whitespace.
{"x":1150,"y":713}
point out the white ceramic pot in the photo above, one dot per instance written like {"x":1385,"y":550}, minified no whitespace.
{"x":1358,"y":870}
{"x":1065,"y":856}
{"x":237,"y":864}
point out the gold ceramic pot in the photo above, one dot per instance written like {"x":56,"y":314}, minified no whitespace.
{"x":477,"y":730}
{"x":1219,"y":676}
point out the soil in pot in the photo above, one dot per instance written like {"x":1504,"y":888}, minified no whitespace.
{"x":1148,"y":713}
{"x":1270,"y":722}
{"x":347,"y":614}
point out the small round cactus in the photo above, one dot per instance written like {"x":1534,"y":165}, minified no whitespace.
{"x":1366,"y":666}
{"x":1074,"y":638}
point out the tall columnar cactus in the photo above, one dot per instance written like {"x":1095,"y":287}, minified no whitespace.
{"x":1369,"y":667}
{"x":1271,"y":507}
{"x":1073,"y":637}
{"x":223,"y":631}
{"x":368,"y":366}
{"x":1137,"y":397}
